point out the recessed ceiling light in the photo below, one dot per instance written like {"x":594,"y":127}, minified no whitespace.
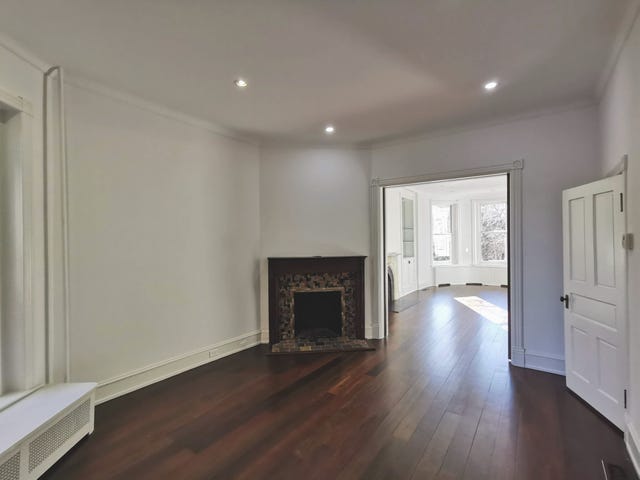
{"x":240,"y":83}
{"x":491,"y":85}
{"x":329,"y":129}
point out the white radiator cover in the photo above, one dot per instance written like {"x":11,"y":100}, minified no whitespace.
{"x":38,"y":430}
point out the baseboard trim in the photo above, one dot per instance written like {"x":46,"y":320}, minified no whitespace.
{"x":374,"y":331}
{"x":544,"y":362}
{"x":142,"y":377}
{"x":631,"y":441}
{"x":517,"y":356}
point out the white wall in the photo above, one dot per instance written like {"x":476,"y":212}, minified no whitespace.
{"x":164,"y":241}
{"x":314,"y":201}
{"x":560,"y":151}
{"x":620,"y":129}
{"x":462,"y":274}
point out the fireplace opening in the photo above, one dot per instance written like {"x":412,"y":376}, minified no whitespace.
{"x":318,"y":314}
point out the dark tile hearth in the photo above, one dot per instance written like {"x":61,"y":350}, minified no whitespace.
{"x":321,"y":344}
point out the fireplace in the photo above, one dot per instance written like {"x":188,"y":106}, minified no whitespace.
{"x":313,"y":300}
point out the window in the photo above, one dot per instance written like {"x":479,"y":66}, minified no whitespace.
{"x":492,"y":232}
{"x":442,"y":228}
{"x":22,"y":339}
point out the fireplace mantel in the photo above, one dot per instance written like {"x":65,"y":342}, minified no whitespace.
{"x":286,"y":274}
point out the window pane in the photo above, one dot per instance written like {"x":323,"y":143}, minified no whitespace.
{"x":442,"y":247}
{"x":493,"y":246}
{"x":407,"y":212}
{"x":493,"y":216}
{"x":441,"y":219}
{"x":408,"y":249}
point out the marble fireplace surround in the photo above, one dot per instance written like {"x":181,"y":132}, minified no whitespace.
{"x":288,"y":275}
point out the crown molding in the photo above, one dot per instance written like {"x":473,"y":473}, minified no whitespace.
{"x":93,"y":86}
{"x":470,"y":127}
{"x":629,"y":21}
{"x":21,"y":52}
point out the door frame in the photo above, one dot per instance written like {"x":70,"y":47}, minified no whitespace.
{"x":513,"y":170}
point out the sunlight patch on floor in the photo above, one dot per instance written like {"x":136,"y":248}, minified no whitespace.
{"x":488,"y":310}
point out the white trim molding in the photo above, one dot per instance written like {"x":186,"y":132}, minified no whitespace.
{"x":517,"y":356}
{"x":21,"y":52}
{"x":632,"y":441}
{"x":544,"y":362}
{"x":155,"y":108}
{"x":514,"y":170}
{"x":620,"y":168}
{"x":142,"y":377}
{"x":373,"y":331}
{"x":19,"y":219}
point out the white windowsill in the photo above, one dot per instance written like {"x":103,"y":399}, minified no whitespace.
{"x":9,"y":399}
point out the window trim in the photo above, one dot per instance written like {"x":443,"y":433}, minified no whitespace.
{"x":477,"y":233}
{"x":27,"y":355}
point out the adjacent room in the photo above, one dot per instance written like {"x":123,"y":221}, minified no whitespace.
{"x":278,"y":239}
{"x":447,"y":244}
{"x":446,"y":233}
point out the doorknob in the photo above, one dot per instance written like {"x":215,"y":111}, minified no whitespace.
{"x":565,"y":300}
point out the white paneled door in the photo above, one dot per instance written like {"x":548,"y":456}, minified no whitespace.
{"x":595,"y":295}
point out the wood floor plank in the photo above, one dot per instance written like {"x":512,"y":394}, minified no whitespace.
{"x":437,"y":448}
{"x":436,"y":400}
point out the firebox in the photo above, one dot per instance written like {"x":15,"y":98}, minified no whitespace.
{"x":318,"y":313}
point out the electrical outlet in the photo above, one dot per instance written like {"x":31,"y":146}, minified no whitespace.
{"x":214,"y":353}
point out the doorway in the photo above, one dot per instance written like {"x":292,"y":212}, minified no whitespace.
{"x":466,"y":240}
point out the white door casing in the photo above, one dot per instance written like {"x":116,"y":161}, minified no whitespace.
{"x":595,"y":295}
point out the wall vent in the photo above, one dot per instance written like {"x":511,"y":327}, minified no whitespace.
{"x":10,"y":470}
{"x":42,"y":427}
{"x":50,"y":440}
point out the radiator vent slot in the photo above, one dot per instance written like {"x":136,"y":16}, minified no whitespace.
{"x":10,"y":470}
{"x":53,"y":438}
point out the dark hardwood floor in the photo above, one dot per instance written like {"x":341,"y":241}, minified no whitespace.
{"x":436,"y":400}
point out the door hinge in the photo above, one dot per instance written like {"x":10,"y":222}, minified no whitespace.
{"x":625,"y":398}
{"x":627,"y":241}
{"x":622,"y":202}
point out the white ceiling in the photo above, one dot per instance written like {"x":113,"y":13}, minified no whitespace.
{"x":494,"y":187}
{"x":376,"y":69}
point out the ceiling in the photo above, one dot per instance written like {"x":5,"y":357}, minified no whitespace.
{"x":376,"y":69}
{"x":494,"y":186}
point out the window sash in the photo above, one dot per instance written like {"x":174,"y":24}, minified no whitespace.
{"x":480,"y":233}
{"x":446,"y":234}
